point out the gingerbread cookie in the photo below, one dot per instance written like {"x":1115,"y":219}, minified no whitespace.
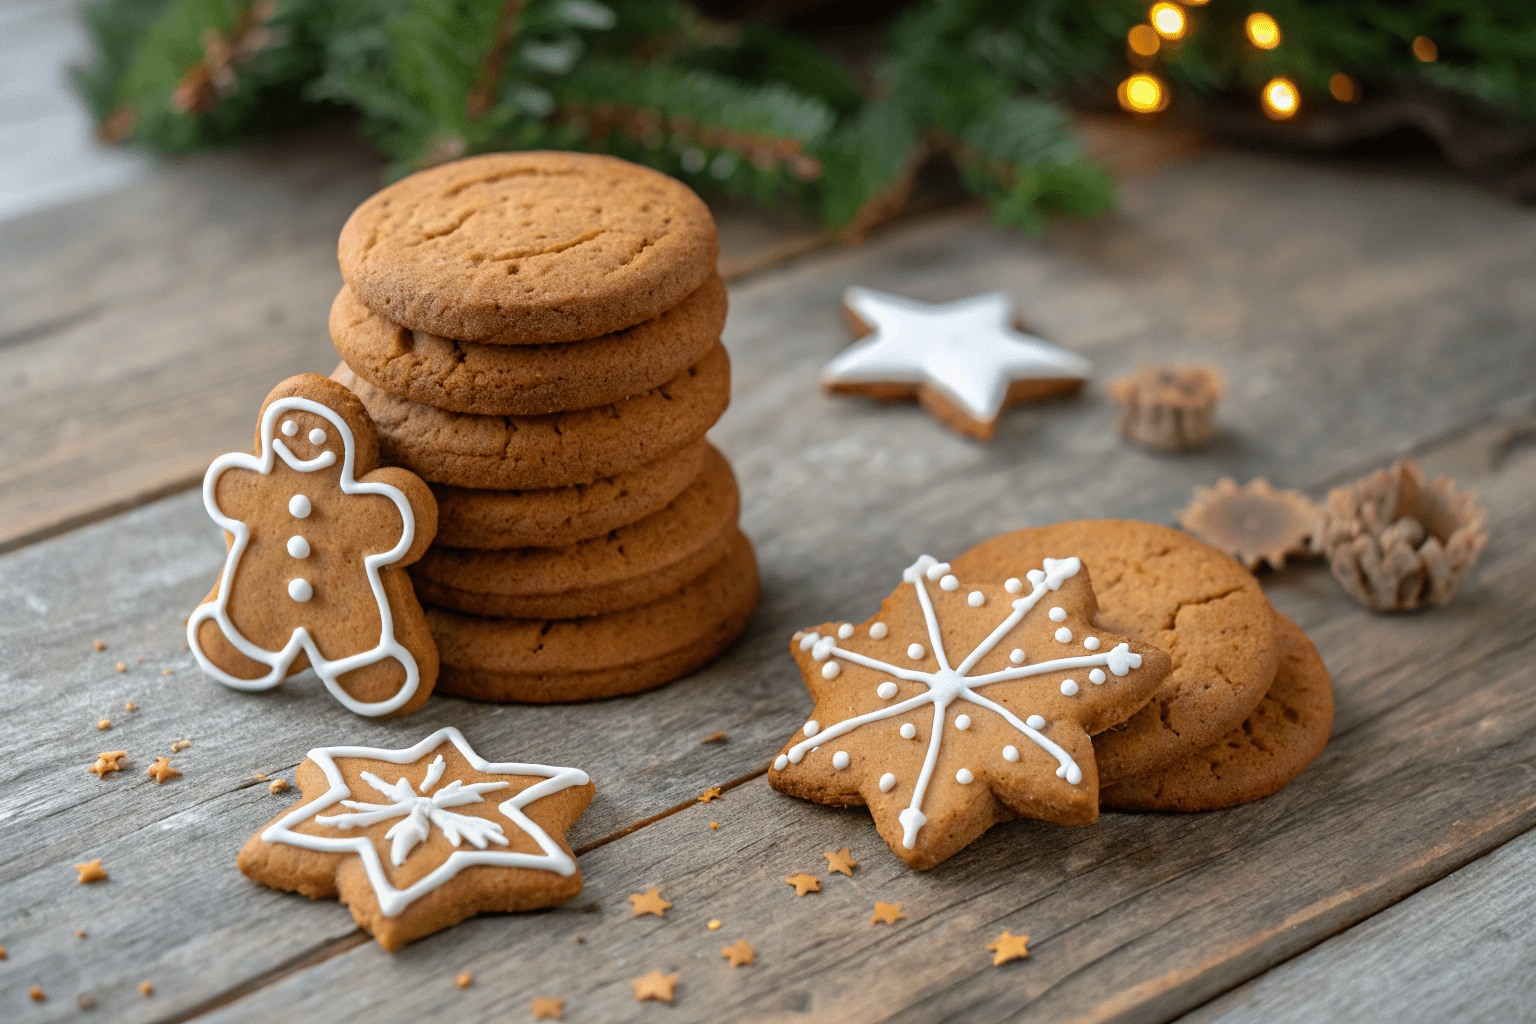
{"x":959,"y":705}
{"x":527,"y":380}
{"x":630,"y":566}
{"x":531,"y":247}
{"x":545,"y":661}
{"x":1283,"y":735}
{"x":391,"y":833}
{"x":318,"y":536}
{"x":524,"y":452}
{"x":556,"y":516}
{"x":1184,"y":597}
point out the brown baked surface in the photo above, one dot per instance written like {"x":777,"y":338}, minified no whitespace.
{"x":525,"y":452}
{"x":532,"y":247}
{"x":629,"y":566}
{"x":527,"y":380}
{"x":1275,"y":743}
{"x":1182,"y":596}
{"x":556,"y":516}
{"x":550,"y":661}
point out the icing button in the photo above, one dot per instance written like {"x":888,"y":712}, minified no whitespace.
{"x":298,"y":547}
{"x":300,"y":590}
{"x":290,"y":428}
{"x":299,"y":507}
{"x":317,"y":436}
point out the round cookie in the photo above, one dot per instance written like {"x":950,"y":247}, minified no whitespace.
{"x":630,"y":566}
{"x":528,"y":248}
{"x":1275,"y":743}
{"x":553,"y":517}
{"x":547,"y":661}
{"x":527,"y":380}
{"x":1185,"y":597}
{"x":525,"y":452}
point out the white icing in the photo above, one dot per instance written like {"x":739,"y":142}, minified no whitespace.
{"x":419,"y":812}
{"x":300,"y":641}
{"x":1016,"y":656}
{"x":780,"y":763}
{"x":1096,"y":676}
{"x":1035,"y":577}
{"x":964,"y":777}
{"x":1092,"y":643}
{"x":908,"y":730}
{"x":886,"y":690}
{"x":887,"y":782}
{"x":840,"y":760}
{"x":1058,"y":614}
{"x":290,"y":428}
{"x":1035,"y":722}
{"x":916,"y":652}
{"x":795,"y":755}
{"x":975,"y":599}
{"x":808,"y":640}
{"x":1010,"y":753}
{"x":949,"y":583}
{"x":821,"y":650}
{"x":812,"y":727}
{"x":936,"y":570}
{"x":845,"y":631}
{"x":1069,"y":687}
{"x":298,"y":547}
{"x":1014,"y":585}
{"x":830,"y":670}
{"x":300,"y":590}
{"x":879,"y":631}
{"x":1063,"y":635}
{"x":963,"y":722}
{"x":317,"y":436}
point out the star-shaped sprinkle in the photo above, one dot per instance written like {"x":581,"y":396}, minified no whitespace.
{"x":962,"y":360}
{"x":804,"y":883}
{"x":1008,"y":947}
{"x":91,"y":871}
{"x":712,"y":793}
{"x":549,"y":1008}
{"x":649,"y":903}
{"x":841,"y":861}
{"x":738,"y":953}
{"x":161,"y":770}
{"x":886,"y":913}
{"x":654,"y":986}
{"x":106,"y":761}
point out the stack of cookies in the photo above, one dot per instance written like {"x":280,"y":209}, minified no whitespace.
{"x":538,"y":336}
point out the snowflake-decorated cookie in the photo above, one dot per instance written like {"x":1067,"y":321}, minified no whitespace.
{"x":391,"y":834}
{"x":960,"y":705}
{"x":318,"y":538}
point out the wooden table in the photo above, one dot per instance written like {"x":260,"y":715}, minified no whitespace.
{"x":1359,"y":316}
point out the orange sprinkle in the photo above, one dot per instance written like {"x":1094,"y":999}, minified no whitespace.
{"x":79,"y":934}
{"x":105,"y":723}
{"x":165,"y":671}
{"x":36,"y":992}
{"x":121,"y":667}
{"x":99,"y":645}
{"x":714,"y":824}
{"x":145,"y":988}
{"x":130,"y":706}
{"x":714,"y":924}
{"x":278,"y":785}
{"x":464,"y":980}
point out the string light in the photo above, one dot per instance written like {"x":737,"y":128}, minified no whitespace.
{"x":1344,"y":88}
{"x":1168,"y":19}
{"x":1143,"y":39}
{"x":1425,"y":49}
{"x":1142,"y":94}
{"x":1281,"y":100}
{"x":1262,"y":31}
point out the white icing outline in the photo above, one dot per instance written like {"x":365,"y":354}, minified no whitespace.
{"x":947,"y":684}
{"x":391,"y":900}
{"x":300,"y":640}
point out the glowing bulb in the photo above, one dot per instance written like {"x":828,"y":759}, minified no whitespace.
{"x":1344,"y":88}
{"x":1168,"y":19}
{"x":1263,"y":32}
{"x":1280,"y":99}
{"x":1142,"y":94}
{"x":1425,"y":49}
{"x":1143,"y":40}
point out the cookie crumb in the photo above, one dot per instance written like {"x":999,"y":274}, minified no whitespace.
{"x":714,"y":824}
{"x":714,"y":737}
{"x":259,"y":777}
{"x":91,"y":871}
{"x":548,"y":1008}
{"x":146,"y":989}
{"x":277,"y":786}
{"x":712,"y":793}
{"x":165,"y":671}
{"x":650,"y":903}
{"x":804,"y":883}
{"x":739,"y":953}
{"x":180,"y":745}
{"x":714,"y":924}
{"x":79,"y":934}
{"x":841,"y":861}
{"x":99,"y":645}
{"x":1008,"y":947}
{"x":654,"y":986}
{"x":464,"y":979}
{"x":161,"y":770}
{"x":121,"y":667}
{"x":86,"y":1002}
{"x":36,"y":992}
{"x":130,"y":706}
{"x":886,"y":913}
{"x":103,"y":724}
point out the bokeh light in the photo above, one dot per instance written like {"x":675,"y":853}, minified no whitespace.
{"x":1262,"y":31}
{"x":1344,"y":88}
{"x":1281,"y":100}
{"x":1143,"y":39}
{"x":1425,"y":49}
{"x":1168,"y":19}
{"x":1142,"y":94}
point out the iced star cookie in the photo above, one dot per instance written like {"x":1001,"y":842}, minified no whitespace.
{"x":629,"y":566}
{"x":526,"y":452}
{"x":318,"y":536}
{"x":1185,"y":597}
{"x":528,"y":248}
{"x":1274,"y":744}
{"x":527,"y":380}
{"x":960,"y":705}
{"x":414,"y":841}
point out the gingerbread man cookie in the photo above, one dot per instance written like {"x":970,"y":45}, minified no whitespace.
{"x":318,"y":538}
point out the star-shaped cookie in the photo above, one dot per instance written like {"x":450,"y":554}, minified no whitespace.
{"x":959,"y":706}
{"x":391,"y":832}
{"x":962,"y":360}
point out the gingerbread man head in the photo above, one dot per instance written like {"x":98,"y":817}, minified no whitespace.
{"x":318,"y":538}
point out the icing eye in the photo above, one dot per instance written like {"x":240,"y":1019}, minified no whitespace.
{"x":290,"y":428}
{"x":299,"y":507}
{"x":298,"y":547}
{"x":300,"y":590}
{"x":317,"y":436}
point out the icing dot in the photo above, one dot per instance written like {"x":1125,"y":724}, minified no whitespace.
{"x":937,"y":570}
{"x":1096,"y":676}
{"x":949,"y":583}
{"x":298,"y":547}
{"x":1035,"y":576}
{"x":845,"y":631}
{"x":1069,"y":687}
{"x":1016,"y":656}
{"x":795,"y":755}
{"x":300,"y":590}
{"x":1064,"y":635}
{"x":976,"y":599}
{"x":1035,"y":722}
{"x":908,"y":731}
{"x":780,"y":763}
{"x":1092,"y":643}
{"x":821,"y":650}
{"x":1058,"y":614}
{"x":886,"y":690}
{"x":879,"y":630}
{"x":916,"y":652}
{"x":812,"y":727}
{"x":963,"y":722}
{"x":840,"y":760}
{"x":299,"y":507}
{"x":809,"y":640}
{"x":830,"y":670}
{"x":290,"y":428}
{"x":887,"y":782}
{"x":1010,"y":753}
{"x":964,"y":777}
{"x":1014,"y":585}
{"x":317,"y":436}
